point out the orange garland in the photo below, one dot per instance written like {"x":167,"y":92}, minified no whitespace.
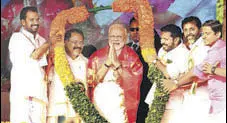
{"x":73,"y":15}
{"x":144,"y":12}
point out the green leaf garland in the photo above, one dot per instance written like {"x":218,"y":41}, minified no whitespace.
{"x":82,"y":105}
{"x":161,"y":97}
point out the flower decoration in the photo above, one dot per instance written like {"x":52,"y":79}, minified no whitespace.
{"x":110,"y":103}
{"x":161,"y":97}
{"x":220,"y":10}
{"x":143,"y":12}
{"x":74,"y":91}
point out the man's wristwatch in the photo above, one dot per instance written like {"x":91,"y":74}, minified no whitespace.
{"x":155,"y":61}
{"x":213,"y":69}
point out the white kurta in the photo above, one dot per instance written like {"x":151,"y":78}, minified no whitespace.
{"x":176,"y":63}
{"x":198,"y":52}
{"x":178,"y":58}
{"x":196,"y":105}
{"x":27,"y":74}
{"x":59,"y":104}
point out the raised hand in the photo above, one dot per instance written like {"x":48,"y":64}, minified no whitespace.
{"x":115,"y":60}
{"x":207,"y":68}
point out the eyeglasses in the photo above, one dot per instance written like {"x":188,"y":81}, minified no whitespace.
{"x":133,"y":29}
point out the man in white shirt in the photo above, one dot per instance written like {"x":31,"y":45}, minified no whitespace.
{"x":193,"y":40}
{"x":59,"y":104}
{"x":198,"y":100}
{"x":172,"y":61}
{"x":28,"y":96}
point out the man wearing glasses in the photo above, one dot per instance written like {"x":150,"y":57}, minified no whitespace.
{"x":146,"y":84}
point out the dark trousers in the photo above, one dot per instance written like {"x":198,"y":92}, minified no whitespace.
{"x":143,"y":108}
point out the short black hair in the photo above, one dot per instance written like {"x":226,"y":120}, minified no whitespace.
{"x":132,"y":20}
{"x":194,"y":19}
{"x":173,"y":29}
{"x":215,"y":25}
{"x":25,"y":10}
{"x":69,"y":33}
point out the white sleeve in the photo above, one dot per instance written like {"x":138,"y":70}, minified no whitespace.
{"x":172,"y":70}
{"x":179,"y":64}
{"x":19,"y":55}
{"x":183,"y":7}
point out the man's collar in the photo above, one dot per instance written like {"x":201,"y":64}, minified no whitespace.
{"x":29,"y":34}
{"x":175,"y":49}
{"x":70,"y":58}
{"x":196,"y":43}
{"x":217,"y":44}
{"x":137,"y":43}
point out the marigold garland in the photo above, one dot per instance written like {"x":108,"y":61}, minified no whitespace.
{"x":71,"y":16}
{"x":144,"y":12}
{"x":75,"y":92}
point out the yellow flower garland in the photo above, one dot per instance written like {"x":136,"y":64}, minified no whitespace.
{"x":62,"y":66}
{"x":74,"y":91}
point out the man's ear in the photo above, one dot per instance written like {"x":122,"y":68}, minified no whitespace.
{"x":176,"y":41}
{"x":22,"y":22}
{"x":67,"y":46}
{"x":218,"y":34}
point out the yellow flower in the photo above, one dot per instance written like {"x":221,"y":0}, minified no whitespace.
{"x":62,"y":66}
{"x":148,"y":54}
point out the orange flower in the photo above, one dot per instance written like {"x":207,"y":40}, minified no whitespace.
{"x":144,"y":12}
{"x":73,"y":15}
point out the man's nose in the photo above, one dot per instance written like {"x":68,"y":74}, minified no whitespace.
{"x":187,"y":33}
{"x":162,"y":41}
{"x":203,"y":36}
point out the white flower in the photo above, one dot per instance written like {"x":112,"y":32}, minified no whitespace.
{"x":109,"y":101}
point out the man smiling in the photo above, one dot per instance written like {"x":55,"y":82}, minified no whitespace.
{"x":120,"y":64}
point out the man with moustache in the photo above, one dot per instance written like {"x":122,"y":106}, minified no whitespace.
{"x":146,"y":84}
{"x":120,"y":64}
{"x":193,"y":40}
{"x":197,"y":53}
{"x":199,"y":100}
{"x":211,"y":34}
{"x":27,"y":49}
{"x":172,"y":61}
{"x":59,"y":104}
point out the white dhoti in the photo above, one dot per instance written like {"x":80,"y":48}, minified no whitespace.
{"x":196,"y":106}
{"x":28,"y":111}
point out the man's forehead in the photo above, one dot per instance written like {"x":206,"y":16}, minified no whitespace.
{"x":166,"y":33}
{"x":191,"y":23}
{"x":117,"y":26}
